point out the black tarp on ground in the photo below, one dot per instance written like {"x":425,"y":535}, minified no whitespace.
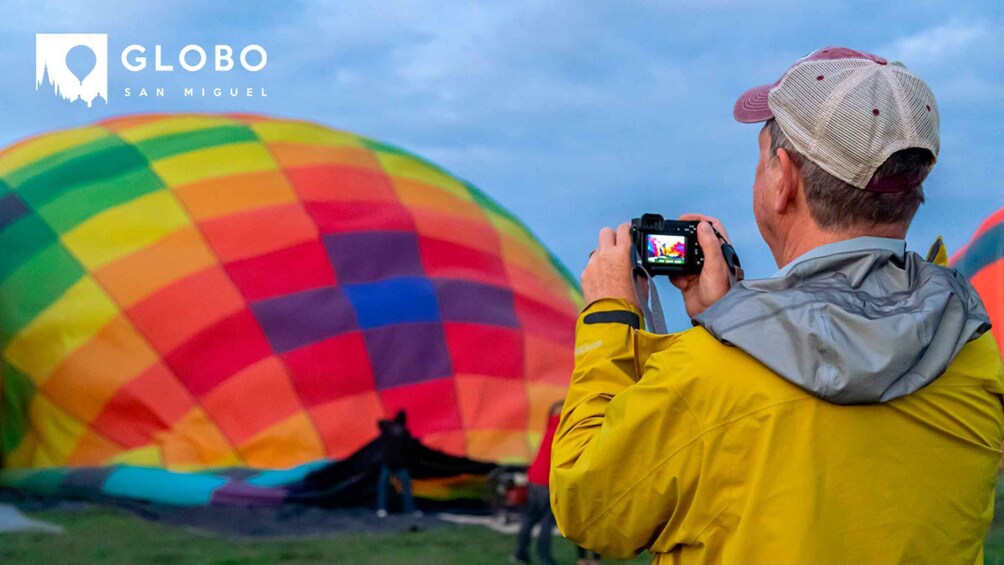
{"x":353,"y":481}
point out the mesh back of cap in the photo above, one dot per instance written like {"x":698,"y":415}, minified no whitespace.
{"x":849,"y":115}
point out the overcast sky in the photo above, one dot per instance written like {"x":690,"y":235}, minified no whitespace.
{"x":574,"y":115}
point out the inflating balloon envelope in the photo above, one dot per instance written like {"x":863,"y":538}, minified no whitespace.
{"x":203,"y":309}
{"x":982,"y":262}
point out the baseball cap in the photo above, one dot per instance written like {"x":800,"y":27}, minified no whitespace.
{"x":848,"y":111}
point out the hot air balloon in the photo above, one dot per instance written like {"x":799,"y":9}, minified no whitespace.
{"x":181,"y":293}
{"x":982,"y":262}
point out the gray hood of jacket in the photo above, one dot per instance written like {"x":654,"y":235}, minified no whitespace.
{"x":857,"y":327}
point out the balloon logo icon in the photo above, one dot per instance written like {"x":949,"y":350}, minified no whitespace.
{"x":81,"y":60}
{"x":72,"y":66}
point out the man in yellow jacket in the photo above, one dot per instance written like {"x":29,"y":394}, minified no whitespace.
{"x":846,"y":410}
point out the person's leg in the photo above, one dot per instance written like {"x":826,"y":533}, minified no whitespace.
{"x":531,"y":515}
{"x":404,"y":477}
{"x":546,"y":536}
{"x":383,"y":483}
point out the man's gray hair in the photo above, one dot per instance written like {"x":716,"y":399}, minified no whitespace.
{"x":837,"y":205}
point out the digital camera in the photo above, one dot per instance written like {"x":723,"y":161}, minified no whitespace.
{"x":665,"y":247}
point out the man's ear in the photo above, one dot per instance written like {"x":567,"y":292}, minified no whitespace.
{"x":787,"y":185}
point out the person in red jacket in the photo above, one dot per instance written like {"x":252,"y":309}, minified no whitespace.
{"x":538,"y":506}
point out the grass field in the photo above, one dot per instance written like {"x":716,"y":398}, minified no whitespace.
{"x":98,"y":535}
{"x":105,"y":535}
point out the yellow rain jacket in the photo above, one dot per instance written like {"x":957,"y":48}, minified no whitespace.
{"x":697,"y":452}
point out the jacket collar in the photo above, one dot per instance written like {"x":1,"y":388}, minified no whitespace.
{"x":897,"y":246}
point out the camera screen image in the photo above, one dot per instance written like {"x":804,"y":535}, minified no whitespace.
{"x":667,"y":249}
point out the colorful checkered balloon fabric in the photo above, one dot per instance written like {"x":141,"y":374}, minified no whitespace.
{"x":982,"y":262}
{"x":192,"y":291}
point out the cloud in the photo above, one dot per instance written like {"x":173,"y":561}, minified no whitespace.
{"x":60,"y":16}
{"x":939,"y":42}
{"x":573,"y":115}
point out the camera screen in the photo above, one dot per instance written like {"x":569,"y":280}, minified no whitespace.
{"x":667,"y":249}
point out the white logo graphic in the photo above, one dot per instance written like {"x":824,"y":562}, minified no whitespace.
{"x":75,"y":65}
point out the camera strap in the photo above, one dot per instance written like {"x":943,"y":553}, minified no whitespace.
{"x":655,"y":319}
{"x":736,"y":273}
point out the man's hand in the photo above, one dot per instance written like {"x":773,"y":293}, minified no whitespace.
{"x":703,"y":290}
{"x":608,"y":273}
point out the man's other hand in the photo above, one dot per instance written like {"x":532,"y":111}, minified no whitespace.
{"x":608,"y":273}
{"x":702,"y":290}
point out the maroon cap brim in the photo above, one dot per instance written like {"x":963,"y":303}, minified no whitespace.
{"x":752,"y":106}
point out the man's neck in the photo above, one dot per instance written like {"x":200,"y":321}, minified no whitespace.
{"x":800,"y":242}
